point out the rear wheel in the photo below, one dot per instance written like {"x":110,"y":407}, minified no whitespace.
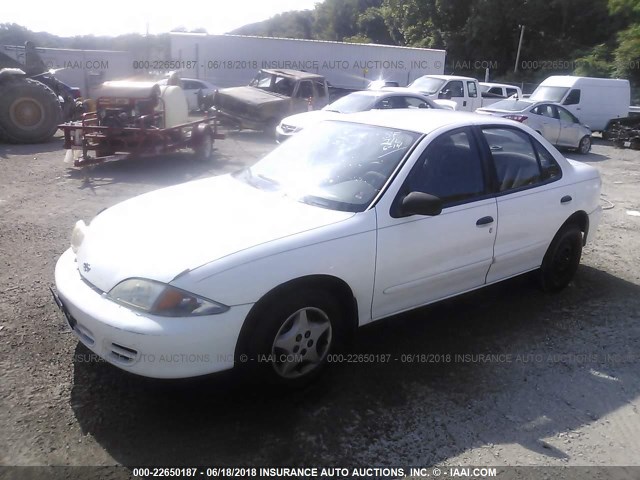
{"x":585,"y":145}
{"x":289,"y":339}
{"x":29,"y":111}
{"x":562,"y":259}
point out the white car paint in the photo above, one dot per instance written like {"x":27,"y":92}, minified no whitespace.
{"x":232,"y":243}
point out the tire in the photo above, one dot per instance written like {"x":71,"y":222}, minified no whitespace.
{"x":29,"y":111}
{"x":288,"y":340}
{"x":561,"y":261}
{"x":584,"y":146}
{"x":204,"y":149}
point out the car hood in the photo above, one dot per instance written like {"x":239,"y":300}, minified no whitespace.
{"x":249,"y":95}
{"x":166,"y":232}
{"x":302,"y":120}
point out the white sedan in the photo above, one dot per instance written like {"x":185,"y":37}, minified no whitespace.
{"x":381,"y":99}
{"x":274,"y":267}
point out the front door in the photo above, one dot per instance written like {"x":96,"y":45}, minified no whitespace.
{"x":421,"y":259}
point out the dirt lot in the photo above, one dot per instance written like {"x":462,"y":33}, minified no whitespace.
{"x":561,"y":387}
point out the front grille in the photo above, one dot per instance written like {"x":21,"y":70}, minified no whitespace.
{"x":123,"y":354}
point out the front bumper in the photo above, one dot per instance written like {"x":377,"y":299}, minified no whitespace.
{"x":147,"y":345}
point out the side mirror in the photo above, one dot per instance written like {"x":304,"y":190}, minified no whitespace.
{"x":445,"y":94}
{"x":418,"y":203}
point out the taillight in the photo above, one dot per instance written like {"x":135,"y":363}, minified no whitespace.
{"x":517,"y":118}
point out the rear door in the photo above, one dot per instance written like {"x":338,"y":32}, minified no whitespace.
{"x":532,"y":203}
{"x":545,"y":121}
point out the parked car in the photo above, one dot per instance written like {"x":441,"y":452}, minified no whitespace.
{"x":195,"y":90}
{"x":503,"y":90}
{"x":553,"y":122}
{"x":386,"y":98}
{"x":273,"y":268}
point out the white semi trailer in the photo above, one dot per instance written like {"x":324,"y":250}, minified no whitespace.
{"x":232,"y":60}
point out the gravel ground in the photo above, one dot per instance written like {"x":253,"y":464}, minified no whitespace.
{"x":510,"y":376}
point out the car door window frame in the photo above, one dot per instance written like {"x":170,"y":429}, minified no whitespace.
{"x":493,"y":181}
{"x":472,"y":134}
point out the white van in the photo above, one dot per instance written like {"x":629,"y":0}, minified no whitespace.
{"x":595,"y":101}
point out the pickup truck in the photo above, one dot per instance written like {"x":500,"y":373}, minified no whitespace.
{"x":464,"y":91}
{"x":271,"y":96}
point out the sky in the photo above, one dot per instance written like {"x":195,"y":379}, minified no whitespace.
{"x":115,"y":17}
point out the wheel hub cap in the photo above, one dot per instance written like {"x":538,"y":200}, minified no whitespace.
{"x":302,"y":343}
{"x":26,"y":113}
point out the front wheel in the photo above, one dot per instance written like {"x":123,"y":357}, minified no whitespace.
{"x":561,"y":261}
{"x":290,"y":338}
{"x":585,"y":145}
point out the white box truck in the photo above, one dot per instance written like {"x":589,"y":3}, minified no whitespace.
{"x":597,"y":102}
{"x":233,"y":60}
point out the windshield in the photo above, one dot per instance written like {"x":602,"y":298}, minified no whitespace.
{"x":549,"y":94}
{"x":510,"y":105}
{"x":354,"y":102}
{"x":334,"y":165}
{"x":273,"y":83}
{"x":427,"y":84}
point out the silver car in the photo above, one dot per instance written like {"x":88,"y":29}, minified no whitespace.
{"x":553,"y":122}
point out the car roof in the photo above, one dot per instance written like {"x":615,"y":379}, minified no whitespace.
{"x":292,"y":73}
{"x":491,"y":84}
{"x":449,"y":77}
{"x":422,"y":120}
{"x":389,"y":92}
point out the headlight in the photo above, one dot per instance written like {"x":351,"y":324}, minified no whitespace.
{"x":77,"y":235}
{"x":161,"y":299}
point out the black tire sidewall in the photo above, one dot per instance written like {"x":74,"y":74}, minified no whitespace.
{"x":550,"y":282}
{"x":580,"y":149}
{"x":265,"y":322}
{"x":41,"y":94}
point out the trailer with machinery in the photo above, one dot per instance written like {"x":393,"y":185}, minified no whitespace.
{"x":138,"y":119}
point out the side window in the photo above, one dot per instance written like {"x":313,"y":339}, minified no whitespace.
{"x":496,"y":91}
{"x":511,"y":91}
{"x":305,"y":90}
{"x":514,"y":158}
{"x":573,"y":98}
{"x":450,"y":169}
{"x":415,"y":102}
{"x":320,"y":92}
{"x":473,"y":91}
{"x":455,"y":87}
{"x":189,"y":85}
{"x":545,"y":111}
{"x":550,"y":168}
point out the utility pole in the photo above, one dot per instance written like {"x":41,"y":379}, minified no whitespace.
{"x":515,"y":68}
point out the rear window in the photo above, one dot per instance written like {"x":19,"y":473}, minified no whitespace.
{"x":511,"y":105}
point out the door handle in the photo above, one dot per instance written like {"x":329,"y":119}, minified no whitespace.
{"x":566,"y":199}
{"x":484,"y":221}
